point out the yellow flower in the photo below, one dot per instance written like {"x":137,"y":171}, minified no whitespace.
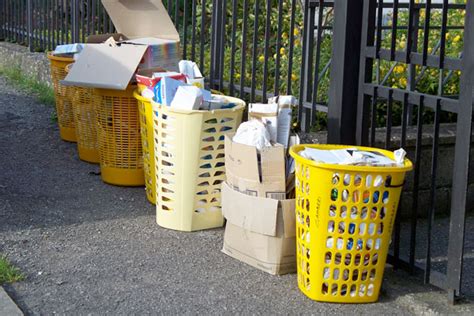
{"x":297,"y":43}
{"x":237,"y":76}
{"x":399,"y":69}
{"x":402,"y":44}
{"x":457,"y":38}
{"x":274,"y":56}
{"x":296,"y":32}
{"x":403,"y":82}
{"x":448,"y":36}
{"x":294,"y":77}
{"x":284,"y":35}
{"x":261,"y":58}
{"x":282,"y":51}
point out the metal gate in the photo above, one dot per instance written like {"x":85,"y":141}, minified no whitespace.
{"x":380,"y":47}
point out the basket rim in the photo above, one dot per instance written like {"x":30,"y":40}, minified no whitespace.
{"x":295,"y":149}
{"x":59,"y":58}
{"x":240,"y":105}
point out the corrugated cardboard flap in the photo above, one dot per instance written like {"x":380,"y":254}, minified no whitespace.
{"x":141,"y":18}
{"x":258,"y":215}
{"x":242,"y":160}
{"x":103,"y":66}
{"x":289,"y":217}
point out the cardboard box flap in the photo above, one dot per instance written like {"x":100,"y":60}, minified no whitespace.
{"x":258,"y":215}
{"x":102,"y":66}
{"x":241,"y":159}
{"x":100,"y":38}
{"x":289,"y":217}
{"x":273,"y":163}
{"x":141,"y":18}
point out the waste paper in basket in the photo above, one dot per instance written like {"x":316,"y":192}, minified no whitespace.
{"x":190,"y":164}
{"x":344,"y":221}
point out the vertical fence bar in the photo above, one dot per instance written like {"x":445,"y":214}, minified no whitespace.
{"x":432,"y":205}
{"x":265,"y":51}
{"x":185,"y":30}
{"x":276,"y":87}
{"x":388,"y":126}
{"x":193,"y":30}
{"x":201,"y":37}
{"x":29,"y":14}
{"x":254,"y":52}
{"x":243,"y":49}
{"x":461,"y":160}
{"x":416,"y":184}
{"x":290,"y":53}
{"x":314,"y":92}
{"x":75,"y":21}
{"x":346,"y":48}
{"x":214,"y":45}
{"x":365,"y":72}
{"x":393,"y":42}
{"x":222,"y":44}
{"x":373,"y":117}
{"x":232,"y":47}
{"x":306,"y":49}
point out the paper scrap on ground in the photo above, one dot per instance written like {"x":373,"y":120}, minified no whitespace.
{"x":353,"y":156}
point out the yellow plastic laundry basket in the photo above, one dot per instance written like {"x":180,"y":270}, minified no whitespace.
{"x":146,"y":127}
{"x":62,"y":96}
{"x":345,"y":217}
{"x":189,"y":151}
{"x":85,"y":122}
{"x":118,"y":135}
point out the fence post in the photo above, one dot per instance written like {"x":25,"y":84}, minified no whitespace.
{"x":75,"y":21}
{"x":29,"y":24}
{"x":343,"y":91}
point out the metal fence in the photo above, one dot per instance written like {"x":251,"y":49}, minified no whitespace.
{"x":377,"y":97}
{"x":245,"y":48}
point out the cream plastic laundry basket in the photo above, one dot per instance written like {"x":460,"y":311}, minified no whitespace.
{"x":189,"y":153}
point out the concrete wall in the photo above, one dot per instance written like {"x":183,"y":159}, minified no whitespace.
{"x":35,"y":65}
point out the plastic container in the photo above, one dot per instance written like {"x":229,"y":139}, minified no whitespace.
{"x":62,"y":96}
{"x":118,"y":135}
{"x":189,"y":152}
{"x":85,"y":122}
{"x":344,"y":221}
{"x":146,"y":128}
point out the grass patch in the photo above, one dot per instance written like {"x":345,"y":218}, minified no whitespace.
{"x":9,"y":273}
{"x":17,"y":78}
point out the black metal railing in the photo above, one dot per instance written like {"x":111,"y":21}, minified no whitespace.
{"x":432,"y":43}
{"x":245,"y":48}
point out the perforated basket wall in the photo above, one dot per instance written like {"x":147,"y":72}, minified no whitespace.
{"x":118,"y":135}
{"x":146,"y":128}
{"x":344,"y":218}
{"x":63,"y":97}
{"x":189,"y":151}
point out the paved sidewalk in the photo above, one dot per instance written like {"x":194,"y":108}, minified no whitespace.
{"x":90,"y":248}
{"x":7,"y":306}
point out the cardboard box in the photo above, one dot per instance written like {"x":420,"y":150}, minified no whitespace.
{"x":260,"y":231}
{"x":256,"y":174}
{"x":150,"y":40}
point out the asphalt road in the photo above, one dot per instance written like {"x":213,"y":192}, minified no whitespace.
{"x":91,"y":248}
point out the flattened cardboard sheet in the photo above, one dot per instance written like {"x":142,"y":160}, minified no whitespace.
{"x":102,"y":66}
